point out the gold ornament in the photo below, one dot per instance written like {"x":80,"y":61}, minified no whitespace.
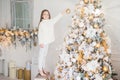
{"x":96,"y":26}
{"x":102,"y":34}
{"x":91,"y":1}
{"x":76,"y":51}
{"x":103,"y":76}
{"x":68,"y":11}
{"x":80,"y":57}
{"x":105,"y":68}
{"x":89,"y":40}
{"x":59,"y":76}
{"x":60,"y":69}
{"x":86,"y":75}
{"x":91,"y":17}
{"x":89,"y":58}
{"x":68,"y":47}
{"x":104,"y":44}
{"x":86,"y":1}
{"x":82,"y":10}
{"x":97,"y":45}
{"x":84,"y":33}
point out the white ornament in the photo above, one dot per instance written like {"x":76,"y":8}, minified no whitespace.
{"x":98,"y":77}
{"x":81,"y":24}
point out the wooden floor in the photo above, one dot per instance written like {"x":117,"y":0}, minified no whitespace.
{"x":5,"y":78}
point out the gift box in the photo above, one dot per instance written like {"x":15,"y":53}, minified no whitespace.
{"x":20,"y":73}
{"x":12,"y":70}
{"x":27,"y":74}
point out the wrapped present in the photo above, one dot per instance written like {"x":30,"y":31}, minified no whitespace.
{"x":20,"y":73}
{"x":27,"y":74}
{"x":12,"y":70}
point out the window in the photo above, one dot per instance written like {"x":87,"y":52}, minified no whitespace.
{"x":21,"y":13}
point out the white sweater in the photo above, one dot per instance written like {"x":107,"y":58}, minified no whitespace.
{"x":46,"y":30}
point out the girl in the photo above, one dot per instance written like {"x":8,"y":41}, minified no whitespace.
{"x":45,"y":37}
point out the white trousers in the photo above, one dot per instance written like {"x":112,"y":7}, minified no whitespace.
{"x":42,"y":57}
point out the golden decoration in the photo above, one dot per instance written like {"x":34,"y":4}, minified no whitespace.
{"x":89,"y":58}
{"x":68,"y":47}
{"x":86,"y":75}
{"x":84,"y":33}
{"x":89,"y":40}
{"x":80,"y":57}
{"x":68,"y":11}
{"x":60,"y":69}
{"x":82,"y":10}
{"x":91,"y":17}
{"x":97,"y":45}
{"x":77,"y":51}
{"x":104,"y":44}
{"x":96,"y":26}
{"x":104,"y":76}
{"x":7,"y":36}
{"x":91,"y":1}
{"x":105,"y":68}
{"x":59,"y":76}
{"x":102,"y":34}
{"x":26,"y":34}
{"x":86,"y":1}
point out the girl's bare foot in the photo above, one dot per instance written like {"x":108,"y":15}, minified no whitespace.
{"x":42,"y":74}
{"x":46,"y":72}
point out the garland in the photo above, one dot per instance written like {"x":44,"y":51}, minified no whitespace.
{"x":27,"y":37}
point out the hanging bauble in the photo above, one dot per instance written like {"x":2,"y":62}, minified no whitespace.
{"x":60,"y":69}
{"x":86,"y":1}
{"x":104,"y":44}
{"x":104,"y":76}
{"x":83,"y":34}
{"x":91,"y":17}
{"x":96,"y":26}
{"x":68,"y":11}
{"x":89,"y":40}
{"x":90,"y":58}
{"x":102,"y":34}
{"x":86,"y":75}
{"x":59,"y":76}
{"x":97,"y":45}
{"x":105,"y":68}
{"x":91,"y":1}
{"x":68,"y":48}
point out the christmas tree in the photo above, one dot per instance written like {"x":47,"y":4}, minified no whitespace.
{"x":86,"y":52}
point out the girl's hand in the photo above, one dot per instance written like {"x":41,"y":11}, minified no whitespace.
{"x":41,"y":45}
{"x":66,"y":11}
